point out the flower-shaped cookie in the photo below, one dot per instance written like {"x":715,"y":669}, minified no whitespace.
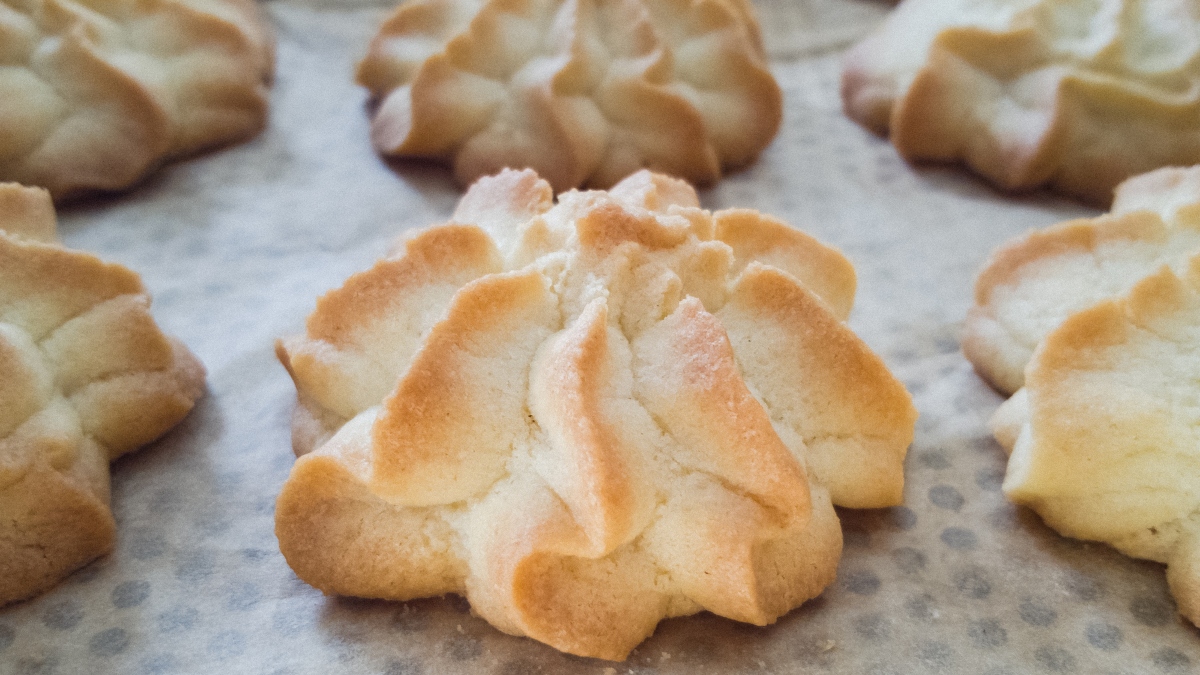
{"x":95,"y":94}
{"x":1105,"y":436}
{"x":86,"y":377}
{"x":583,"y":92}
{"x":1075,"y":95}
{"x":589,"y":416}
{"x":1032,"y":284}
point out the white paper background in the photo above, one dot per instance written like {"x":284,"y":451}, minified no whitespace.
{"x":237,"y":245}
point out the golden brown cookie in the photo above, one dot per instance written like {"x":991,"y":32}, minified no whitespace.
{"x":585,"y":93}
{"x":1077,"y":96}
{"x":94,"y":94}
{"x":1032,"y":284}
{"x":1105,"y":436}
{"x":87,"y":376}
{"x":590,"y":415}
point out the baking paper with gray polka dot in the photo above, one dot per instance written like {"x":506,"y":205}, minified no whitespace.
{"x":237,"y":245}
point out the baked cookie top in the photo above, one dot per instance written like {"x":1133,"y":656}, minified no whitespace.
{"x":1032,"y":284}
{"x":96,"y":93}
{"x":589,"y":415}
{"x":1075,"y":95}
{"x":88,"y":376}
{"x":585,"y":93}
{"x":1105,"y":436}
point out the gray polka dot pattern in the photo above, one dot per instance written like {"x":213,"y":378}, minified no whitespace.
{"x":946,"y":497}
{"x":236,"y":246}
{"x":130,"y":594}
{"x":986,"y":633}
{"x":1104,"y":636}
{"x":109,"y":642}
{"x":1036,"y":614}
{"x":63,"y":615}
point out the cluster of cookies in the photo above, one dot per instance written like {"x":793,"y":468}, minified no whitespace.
{"x":592,"y":413}
{"x":93,"y":96}
{"x":1094,"y":328}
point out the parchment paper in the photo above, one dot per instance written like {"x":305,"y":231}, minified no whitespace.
{"x":237,"y":245}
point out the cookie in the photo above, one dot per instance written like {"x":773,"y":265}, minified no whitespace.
{"x":1032,"y":284}
{"x":1075,"y":96}
{"x":588,"y":416}
{"x":584,"y":93}
{"x":94,"y":95}
{"x":88,"y":377}
{"x":1103,"y":437}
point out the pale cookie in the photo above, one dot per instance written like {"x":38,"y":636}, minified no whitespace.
{"x":1075,"y":95}
{"x":583,"y":92}
{"x":86,"y":377}
{"x":94,"y":94}
{"x":1032,"y":284}
{"x":1105,"y":436}
{"x":589,"y":416}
